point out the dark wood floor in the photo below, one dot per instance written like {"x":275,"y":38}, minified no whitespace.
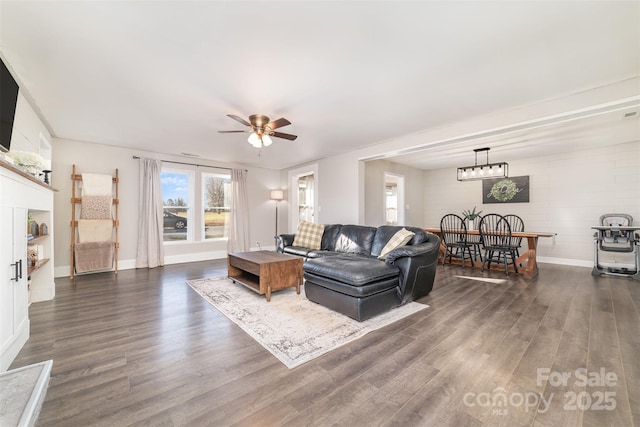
{"x":142,"y":348}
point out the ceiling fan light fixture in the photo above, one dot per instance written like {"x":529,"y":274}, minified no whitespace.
{"x":254,"y":140}
{"x":261,"y":129}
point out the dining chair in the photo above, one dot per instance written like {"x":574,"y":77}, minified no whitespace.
{"x":475,"y":240}
{"x":517,"y":225}
{"x":495,"y":232}
{"x":453,"y":232}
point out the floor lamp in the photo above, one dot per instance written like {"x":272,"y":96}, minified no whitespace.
{"x":276,"y":195}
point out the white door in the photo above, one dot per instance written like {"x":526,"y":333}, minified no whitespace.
{"x":303,"y":196}
{"x":306,"y":196}
{"x":20,"y":291}
{"x":8,"y":273}
{"x":13,"y":288}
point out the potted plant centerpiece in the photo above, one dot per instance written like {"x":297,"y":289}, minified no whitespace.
{"x":470,"y":216}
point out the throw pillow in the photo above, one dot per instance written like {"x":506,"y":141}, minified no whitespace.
{"x":399,"y":239}
{"x":309,"y":235}
{"x":96,"y":207}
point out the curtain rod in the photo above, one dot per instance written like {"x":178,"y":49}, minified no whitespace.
{"x":192,"y":164}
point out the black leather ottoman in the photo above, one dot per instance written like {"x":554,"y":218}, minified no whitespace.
{"x":357,"y":286}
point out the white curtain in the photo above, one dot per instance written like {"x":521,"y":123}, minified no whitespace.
{"x":239,"y":218}
{"x":150,"y":251}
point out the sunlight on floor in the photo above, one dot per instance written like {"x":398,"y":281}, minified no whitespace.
{"x":483,"y":279}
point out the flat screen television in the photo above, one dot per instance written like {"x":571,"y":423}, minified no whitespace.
{"x":8,"y":101}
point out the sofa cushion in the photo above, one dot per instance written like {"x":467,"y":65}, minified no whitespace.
{"x":321,"y":254}
{"x":419,"y":237}
{"x":385,"y":232}
{"x":296,"y":250}
{"x":330,"y":236}
{"x":364,"y":291}
{"x":397,"y":240}
{"x":309,"y":235}
{"x":355,"y":239}
{"x":351,"y":270}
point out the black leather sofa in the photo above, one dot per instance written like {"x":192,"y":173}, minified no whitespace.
{"x":346,"y":275}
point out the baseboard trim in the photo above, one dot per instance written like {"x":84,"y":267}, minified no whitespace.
{"x":195,"y":257}
{"x":123,"y":264}
{"x":130,"y":264}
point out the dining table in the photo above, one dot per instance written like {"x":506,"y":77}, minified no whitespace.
{"x":526,"y":260}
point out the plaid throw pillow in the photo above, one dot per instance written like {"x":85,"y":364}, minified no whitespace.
{"x":309,"y":235}
{"x":401,"y":238}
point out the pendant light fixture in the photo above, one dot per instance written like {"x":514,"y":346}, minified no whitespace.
{"x":486,"y":171}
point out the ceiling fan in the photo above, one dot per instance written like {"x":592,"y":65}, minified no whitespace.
{"x":261,"y":129}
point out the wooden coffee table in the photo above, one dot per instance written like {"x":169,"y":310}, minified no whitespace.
{"x":265,"y":271}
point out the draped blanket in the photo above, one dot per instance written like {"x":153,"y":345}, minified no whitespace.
{"x":94,"y":184}
{"x":95,"y":230}
{"x":93,"y":256}
{"x":94,"y":250}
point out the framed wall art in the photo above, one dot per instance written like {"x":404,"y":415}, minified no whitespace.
{"x":506,"y":190}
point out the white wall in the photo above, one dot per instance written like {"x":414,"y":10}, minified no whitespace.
{"x":27,"y":128}
{"x":374,"y":194}
{"x":339,"y":190}
{"x":104,"y":159}
{"x":568,"y":193}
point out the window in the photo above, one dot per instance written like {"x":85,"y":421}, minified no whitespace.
{"x":176,"y":188}
{"x":216,"y":203}
{"x":188,"y":218}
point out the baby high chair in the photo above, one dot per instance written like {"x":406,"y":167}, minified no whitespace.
{"x":616,"y":234}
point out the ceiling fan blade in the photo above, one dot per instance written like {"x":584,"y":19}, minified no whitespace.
{"x":284,"y":135}
{"x":233,"y":131}
{"x":278,"y":123}
{"x":239,"y":119}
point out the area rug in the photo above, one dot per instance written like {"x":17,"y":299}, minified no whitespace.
{"x":292,"y":328}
